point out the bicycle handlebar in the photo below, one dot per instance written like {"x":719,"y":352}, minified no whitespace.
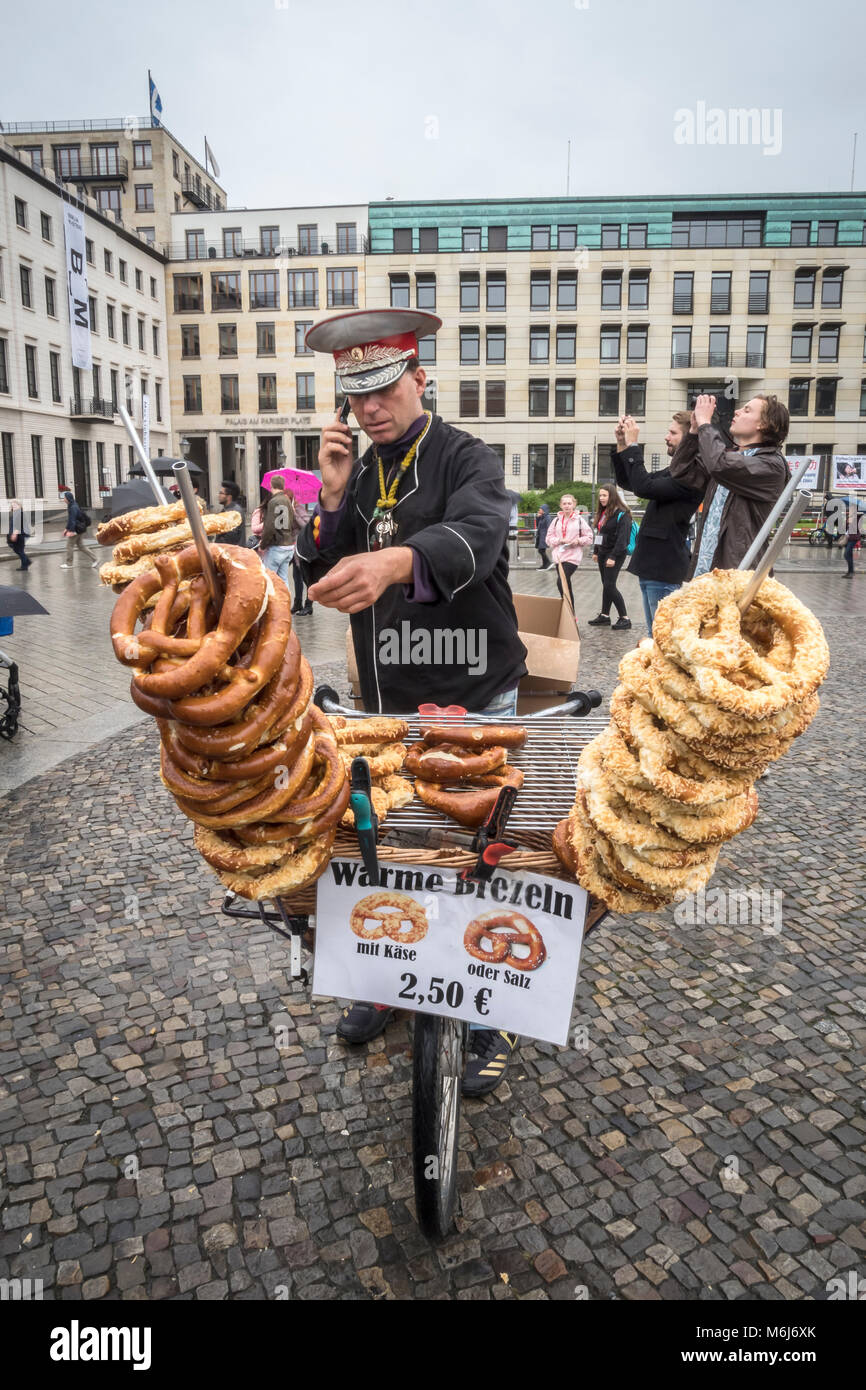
{"x":577,"y":703}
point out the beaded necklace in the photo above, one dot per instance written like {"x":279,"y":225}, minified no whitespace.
{"x":388,"y":496}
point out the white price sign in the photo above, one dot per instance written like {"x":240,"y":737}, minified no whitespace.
{"x":502,"y":954}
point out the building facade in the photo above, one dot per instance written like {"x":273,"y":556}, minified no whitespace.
{"x":244,"y":287}
{"x":58,"y":423}
{"x":561,"y":315}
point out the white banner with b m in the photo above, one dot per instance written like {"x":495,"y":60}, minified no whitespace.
{"x":76,"y":284}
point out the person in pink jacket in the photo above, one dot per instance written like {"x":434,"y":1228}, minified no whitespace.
{"x":567,"y":536}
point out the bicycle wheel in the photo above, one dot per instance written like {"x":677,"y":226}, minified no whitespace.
{"x":437,"y":1073}
{"x":816,"y":537}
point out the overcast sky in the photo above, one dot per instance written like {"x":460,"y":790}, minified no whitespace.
{"x":335,"y":101}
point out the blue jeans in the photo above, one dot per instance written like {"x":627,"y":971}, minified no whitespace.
{"x":652,"y":593}
{"x":504,"y":704}
{"x":278,"y":559}
{"x":850,"y":543}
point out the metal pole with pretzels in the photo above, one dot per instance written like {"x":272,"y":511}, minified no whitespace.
{"x":199,"y":534}
{"x":142,"y":456}
{"x":780,"y":540}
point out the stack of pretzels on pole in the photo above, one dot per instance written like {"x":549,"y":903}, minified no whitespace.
{"x":245,"y":753}
{"x":703,"y":709}
{"x":138,"y":537}
{"x":461,"y":771}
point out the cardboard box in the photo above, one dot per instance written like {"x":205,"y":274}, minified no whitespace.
{"x":549,"y":634}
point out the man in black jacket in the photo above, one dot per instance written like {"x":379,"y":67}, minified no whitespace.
{"x":230,"y":501}
{"x":661,"y":552}
{"x":412,"y":541}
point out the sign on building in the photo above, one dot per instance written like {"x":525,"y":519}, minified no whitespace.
{"x":76,"y":284}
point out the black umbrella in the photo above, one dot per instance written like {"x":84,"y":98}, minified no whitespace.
{"x":130,"y":496}
{"x":16,"y":603}
{"x":163,"y":465}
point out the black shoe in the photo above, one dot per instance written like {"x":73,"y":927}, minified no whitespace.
{"x":601,"y":621}
{"x":485,"y":1069}
{"x":361,"y":1022}
{"x":296,"y":607}
{"x":306,"y":611}
{"x":621,"y":624}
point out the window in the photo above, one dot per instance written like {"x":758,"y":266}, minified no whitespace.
{"x":608,"y":396}
{"x":828,"y":342}
{"x":91,"y":310}
{"x":470,"y":340}
{"x":54,"y":370}
{"x":269,"y":240}
{"x":831,"y":289}
{"x":566,"y":342}
{"x":20,"y":214}
{"x":141,"y":326}
{"x":67,"y":160}
{"x":798,"y":397}
{"x":800,"y":233}
{"x":403,"y":239}
{"x":154,"y":331}
{"x":637,"y":236}
{"x":97,"y":382}
{"x":827,"y":233}
{"x":471,"y":239}
{"x":232,"y":241}
{"x":118,"y":464}
{"x":801,"y":342}
{"x":9,"y":465}
{"x":566,"y":237}
{"x":4,"y":368}
{"x":756,"y":347}
{"x":102,"y":480}
{"x":121,"y":270}
{"x":635,"y":396}
{"x":267,"y":391}
{"x":399,"y":291}
{"x":564,"y":396}
{"x":192,"y":395}
{"x":718,"y":353}
{"x":50,"y":297}
{"x":266,"y":339}
{"x":144,"y":197}
{"x":825,"y":396}
{"x":636,"y":342}
{"x":425,"y":291}
{"x":225,"y":290}
{"x":45,"y":222}
{"x":716,"y":231}
{"x":142,"y":154}
{"x":427,"y":350}
{"x":347,"y":238}
{"x":563,"y":462}
{"x":804,"y":288}
{"x":229,"y":393}
{"x":539,"y":290}
{"x":227,"y":334}
{"x":566,"y":289}
{"x":264,"y":289}
{"x":308,"y":240}
{"x":496,"y":344}
{"x":539,"y":396}
{"x":38,"y":481}
{"x":139,"y":281}
{"x":303,"y":289}
{"x":60,"y":463}
{"x":499,"y":451}
{"x":539,"y":343}
{"x":609,"y":343}
{"x":470,"y":292}
{"x":497,"y":238}
{"x":33,"y":153}
{"x":342,"y":289}
{"x":108,"y":261}
{"x":610,"y":236}
{"x":26,"y":287}
{"x":720,"y":292}
{"x":681,"y":347}
{"x":114,"y":396}
{"x":108,"y":200}
{"x":301,"y":327}
{"x":30,"y":367}
{"x":537,"y":467}
{"x":759,"y":292}
{"x":196,"y":249}
{"x":683,"y":290}
{"x":305,"y":386}
{"x":428,"y":239}
{"x":862,"y":405}
{"x":495,"y":398}
{"x":104,"y":160}
{"x":540,"y":239}
{"x":496,"y":289}
{"x":189,"y":340}
{"x":470,"y":399}
{"x":611,"y":289}
{"x":188,"y":294}
{"x":124,"y":327}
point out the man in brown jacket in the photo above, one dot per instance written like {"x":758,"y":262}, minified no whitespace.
{"x":741,"y":484}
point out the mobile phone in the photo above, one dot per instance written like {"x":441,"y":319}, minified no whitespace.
{"x":344,"y":411}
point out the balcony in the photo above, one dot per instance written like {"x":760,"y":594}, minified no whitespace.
{"x":226,"y":301}
{"x":92,"y":170}
{"x":90,"y":408}
{"x":242,"y":248}
{"x":199,"y":194}
{"x":702,"y":361}
{"x":189,"y":304}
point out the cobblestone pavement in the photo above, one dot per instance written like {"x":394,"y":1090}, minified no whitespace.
{"x":703,"y":1138}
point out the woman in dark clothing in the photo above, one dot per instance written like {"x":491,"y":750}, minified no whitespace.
{"x":612,"y":531}
{"x":541,"y":528}
{"x":18,"y":534}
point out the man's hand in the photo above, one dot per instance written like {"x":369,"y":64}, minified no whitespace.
{"x":619,"y":434}
{"x":705,"y":407}
{"x":610,"y":562}
{"x":632,"y":429}
{"x":357,"y":581}
{"x":693,"y":428}
{"x":335,"y":463}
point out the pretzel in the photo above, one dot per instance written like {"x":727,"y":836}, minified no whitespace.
{"x":388,"y":759}
{"x":663,"y":760}
{"x":477,"y":736}
{"x":297,"y":870}
{"x":449,"y":762}
{"x":388,"y":793}
{"x":144,"y":519}
{"x":263,"y":804}
{"x":374,"y":730}
{"x":504,"y":931}
{"x":470,"y":807}
{"x":144,"y":544}
{"x":388,"y":912}
{"x":282,"y":703}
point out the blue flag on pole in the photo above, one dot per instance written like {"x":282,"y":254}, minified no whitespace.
{"x":155,"y":103}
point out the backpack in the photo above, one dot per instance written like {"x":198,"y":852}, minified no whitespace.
{"x":82,"y":521}
{"x":257,"y":521}
{"x":632,"y":539}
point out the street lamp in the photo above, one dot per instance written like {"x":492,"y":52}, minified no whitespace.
{"x":185,"y":447}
